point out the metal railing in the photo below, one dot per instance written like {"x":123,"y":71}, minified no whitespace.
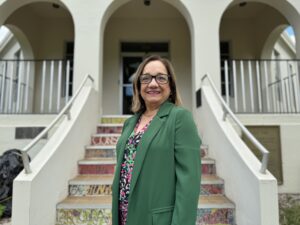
{"x":227,"y":111}
{"x":65,"y":110}
{"x":35,"y":86}
{"x":261,"y":86}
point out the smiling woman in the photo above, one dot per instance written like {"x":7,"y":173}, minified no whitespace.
{"x":157,"y":154}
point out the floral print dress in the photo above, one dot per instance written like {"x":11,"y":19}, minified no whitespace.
{"x":126,"y":170}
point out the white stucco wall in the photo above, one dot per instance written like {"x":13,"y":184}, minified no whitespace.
{"x":8,"y":125}
{"x":290,"y":142}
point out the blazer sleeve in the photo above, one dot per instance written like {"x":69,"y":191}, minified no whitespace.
{"x":187,"y":169}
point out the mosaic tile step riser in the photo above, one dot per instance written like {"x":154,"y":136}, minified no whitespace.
{"x":97,"y":169}
{"x":100,"y":153}
{"x":83,"y":217}
{"x":104,"y":140}
{"x":105,"y":189}
{"x":110,"y":168}
{"x":208,"y":169}
{"x":109,"y":130}
{"x":103,"y":217}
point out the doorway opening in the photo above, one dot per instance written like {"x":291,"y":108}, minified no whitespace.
{"x":132,"y":54}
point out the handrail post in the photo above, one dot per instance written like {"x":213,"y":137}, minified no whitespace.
{"x":25,"y":159}
{"x":264,"y":162}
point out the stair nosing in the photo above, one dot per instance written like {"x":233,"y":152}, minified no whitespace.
{"x":226,"y":204}
{"x":110,"y":124}
{"x":100,"y":147}
{"x":98,"y":161}
{"x":106,"y":135}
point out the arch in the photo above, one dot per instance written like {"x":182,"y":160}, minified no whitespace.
{"x":169,"y":13}
{"x":23,"y":41}
{"x":284,"y":7}
{"x":9,"y":7}
{"x":263,"y":28}
{"x":115,"y":5}
{"x":270,"y":42}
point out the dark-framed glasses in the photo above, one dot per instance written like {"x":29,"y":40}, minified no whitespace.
{"x":159,"y":78}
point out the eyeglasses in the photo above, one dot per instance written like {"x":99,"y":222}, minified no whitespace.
{"x":159,"y":78}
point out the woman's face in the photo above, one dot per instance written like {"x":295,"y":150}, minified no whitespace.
{"x":153,"y":93}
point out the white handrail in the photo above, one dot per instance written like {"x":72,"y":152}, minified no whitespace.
{"x":227,"y":110}
{"x":65,"y":110}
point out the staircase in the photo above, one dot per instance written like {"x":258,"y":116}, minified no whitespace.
{"x":89,"y":199}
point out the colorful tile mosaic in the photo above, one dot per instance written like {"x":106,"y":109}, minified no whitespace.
{"x":208,"y":169}
{"x":215,"y":216}
{"x":97,"y":169}
{"x":90,"y":190}
{"x":83,"y":217}
{"x":111,"y":140}
{"x":113,"y":120}
{"x":109,"y":130}
{"x":212,"y":189}
{"x":101,"y":153}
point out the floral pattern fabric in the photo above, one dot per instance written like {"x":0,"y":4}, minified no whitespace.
{"x":126,"y":171}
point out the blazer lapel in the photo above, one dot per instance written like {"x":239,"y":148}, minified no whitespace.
{"x":121,"y":147}
{"x":146,"y":140}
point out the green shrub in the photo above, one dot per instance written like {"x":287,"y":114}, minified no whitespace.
{"x":2,"y":207}
{"x":290,"y":215}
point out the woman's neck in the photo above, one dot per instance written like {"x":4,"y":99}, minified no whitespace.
{"x":151,"y":111}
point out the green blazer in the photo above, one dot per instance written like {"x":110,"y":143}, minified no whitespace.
{"x":165,"y":183}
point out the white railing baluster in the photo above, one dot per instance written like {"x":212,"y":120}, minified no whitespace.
{"x":59,"y":85}
{"x":10,"y":98}
{"x":258,"y":86}
{"x":243,"y":85}
{"x":251,"y":85}
{"x":3,"y":85}
{"x":226,"y":82}
{"x":290,"y":89}
{"x":296,"y":90}
{"x":51,"y":86}
{"x":234,"y":86}
{"x":27,"y":86}
{"x":275,"y":103}
{"x":267,"y":86}
{"x":67,"y":81}
{"x":297,"y":87}
{"x":19,"y":79}
{"x":286,"y":86}
{"x":43,"y":86}
{"x":283,"y":97}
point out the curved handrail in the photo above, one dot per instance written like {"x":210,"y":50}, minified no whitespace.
{"x":227,"y":110}
{"x":65,"y":110}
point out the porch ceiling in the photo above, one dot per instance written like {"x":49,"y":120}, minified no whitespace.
{"x":137,"y":9}
{"x":251,"y":10}
{"x":46,"y":10}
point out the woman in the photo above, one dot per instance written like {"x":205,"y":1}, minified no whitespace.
{"x":157,"y":178}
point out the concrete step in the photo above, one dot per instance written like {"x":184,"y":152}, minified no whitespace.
{"x":106,"y":165}
{"x":105,"y":139}
{"x":212,"y":210}
{"x":98,"y":185}
{"x":109,"y":128}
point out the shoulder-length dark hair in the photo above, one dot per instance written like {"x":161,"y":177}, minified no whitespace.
{"x":138,"y":104}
